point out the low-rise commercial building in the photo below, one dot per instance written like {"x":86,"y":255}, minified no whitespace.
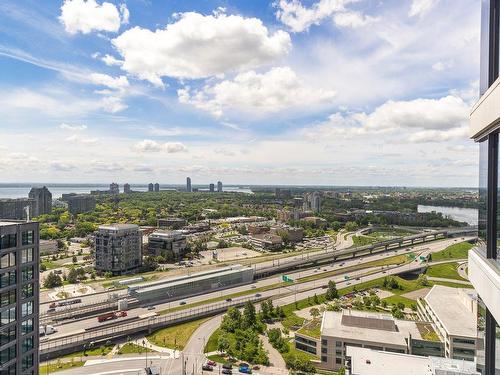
{"x":266,"y":241}
{"x":318,"y":222}
{"x":293,"y":234}
{"x":118,"y":248}
{"x":189,"y":285}
{"x":362,"y":361}
{"x":453,"y":314}
{"x":172,"y":223}
{"x":257,"y":229}
{"x":79,"y":203}
{"x":351,"y":328}
{"x":171,"y":245}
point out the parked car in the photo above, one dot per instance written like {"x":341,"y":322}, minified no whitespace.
{"x":182,"y":303}
{"x":207,"y":368}
{"x":211,"y":363}
{"x":227,"y":371}
{"x":227,"y":366}
{"x":245,"y":370}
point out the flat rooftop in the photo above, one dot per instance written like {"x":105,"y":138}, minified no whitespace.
{"x":4,"y":223}
{"x":374,"y":362}
{"x":118,"y":226}
{"x":456,"y":308}
{"x":352,"y":325}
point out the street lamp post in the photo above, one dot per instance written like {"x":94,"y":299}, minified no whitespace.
{"x":144,"y":345}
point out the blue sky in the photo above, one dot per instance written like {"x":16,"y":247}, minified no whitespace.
{"x":334,"y":92}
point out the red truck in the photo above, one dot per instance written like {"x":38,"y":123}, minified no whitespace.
{"x":111,"y":315}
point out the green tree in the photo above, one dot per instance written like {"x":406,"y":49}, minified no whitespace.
{"x":249,"y":315}
{"x":332,"y":292}
{"x":72,"y":277}
{"x":52,"y":280}
{"x":314,"y":312}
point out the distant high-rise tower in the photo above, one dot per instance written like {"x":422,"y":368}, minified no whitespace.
{"x":126,"y":188}
{"x":43,"y":200}
{"x":189,"y":189}
{"x":219,"y":187}
{"x":157,"y":187}
{"x":151,"y":187}
{"x":211,"y":188}
{"x":312,"y":201}
{"x":114,"y":188}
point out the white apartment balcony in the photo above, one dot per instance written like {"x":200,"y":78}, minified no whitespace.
{"x":485,"y":114}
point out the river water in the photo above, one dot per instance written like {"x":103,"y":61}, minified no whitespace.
{"x":468,"y":215}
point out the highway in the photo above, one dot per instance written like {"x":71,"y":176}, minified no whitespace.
{"x":302,"y":290}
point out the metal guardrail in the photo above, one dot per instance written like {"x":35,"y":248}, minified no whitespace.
{"x":78,"y":339}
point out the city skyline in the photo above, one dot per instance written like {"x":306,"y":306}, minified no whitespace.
{"x":312,"y":97}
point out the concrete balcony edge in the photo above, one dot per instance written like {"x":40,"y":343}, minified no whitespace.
{"x":485,"y":114}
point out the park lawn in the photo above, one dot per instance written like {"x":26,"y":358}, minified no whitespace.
{"x":175,"y":337}
{"x":363,"y":240}
{"x":445,"y":270}
{"x":455,"y":251}
{"x":217,"y":358}
{"x":50,"y":265}
{"x":93,"y":352}
{"x":394,"y":300}
{"x":452,"y":284}
{"x":53,"y":367}
{"x":130,"y":348}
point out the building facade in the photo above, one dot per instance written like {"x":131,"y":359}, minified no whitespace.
{"x":151,"y":187}
{"x":19,"y":291}
{"x":189,"y":189}
{"x":126,"y":188}
{"x":211,"y":188}
{"x":43,"y":200}
{"x":219,"y":187}
{"x":79,"y":203}
{"x":171,"y":245}
{"x":16,"y":209}
{"x":118,"y":248}
{"x":114,"y":188}
{"x":484,"y":260}
{"x":453,"y":315}
{"x":157,"y":187}
{"x":172,"y":223}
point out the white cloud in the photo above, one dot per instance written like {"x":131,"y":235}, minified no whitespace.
{"x":421,"y":7}
{"x":418,"y":120}
{"x":425,"y":136}
{"x":198,"y":46}
{"x":299,"y":18}
{"x":105,"y":166}
{"x":86,"y":16}
{"x":78,"y":139}
{"x":125,"y":13}
{"x":148,"y":145}
{"x":113,"y":104}
{"x":62,"y":166}
{"x":352,"y":19}
{"x":111,"y":60}
{"x":72,"y":127}
{"x":273,"y":91}
{"x":115,"y":83}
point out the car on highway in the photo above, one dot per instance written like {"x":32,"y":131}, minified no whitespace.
{"x":211,"y":363}
{"x":182,"y":303}
{"x":151,"y":307}
{"x":207,"y":368}
{"x":348,"y":283}
{"x":229,"y":299}
{"x":253,"y":287}
{"x":258,"y":295}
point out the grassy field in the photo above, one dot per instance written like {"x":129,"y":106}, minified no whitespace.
{"x":96,"y":351}
{"x":211,"y":345}
{"x":455,"y":251}
{"x":394,"y":300}
{"x":312,"y":329}
{"x":50,"y":265}
{"x":55,"y":366}
{"x":131,"y":348}
{"x":445,"y":270}
{"x":175,"y":337}
{"x":363,"y":240}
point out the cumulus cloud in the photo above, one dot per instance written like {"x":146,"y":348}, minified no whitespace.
{"x":111,"y":60}
{"x":113,"y":104}
{"x":72,"y":127}
{"x":421,"y":7}
{"x":115,"y":83}
{"x":273,"y":91}
{"x":418,"y":120}
{"x":86,"y":16}
{"x":199,"y":46}
{"x":149,"y":145}
{"x":300,"y":18}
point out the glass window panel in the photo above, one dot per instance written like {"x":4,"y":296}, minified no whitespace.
{"x":27,"y":308}
{"x":28,"y":237}
{"x":27,"y":291}
{"x":27,"y":326}
{"x":7,"y":241}
{"x":483,"y":193}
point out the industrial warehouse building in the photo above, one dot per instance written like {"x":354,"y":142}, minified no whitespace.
{"x":197,"y":283}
